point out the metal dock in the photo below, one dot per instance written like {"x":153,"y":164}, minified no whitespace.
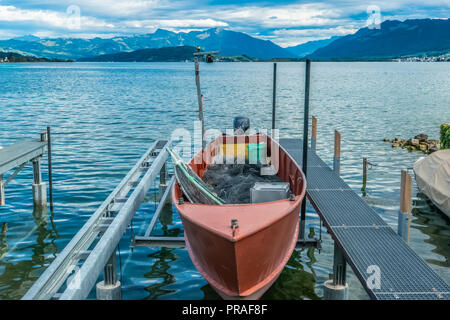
{"x":366,"y":241}
{"x":382,"y":260}
{"x":16,"y":156}
{"x":362,"y":239}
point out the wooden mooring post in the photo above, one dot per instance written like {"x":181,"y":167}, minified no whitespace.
{"x":404,"y":215}
{"x":314,"y":135}
{"x":337,"y":152}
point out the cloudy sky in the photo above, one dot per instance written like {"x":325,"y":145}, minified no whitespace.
{"x":284,"y":22}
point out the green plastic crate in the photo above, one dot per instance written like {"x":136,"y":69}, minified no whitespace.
{"x":257,"y":152}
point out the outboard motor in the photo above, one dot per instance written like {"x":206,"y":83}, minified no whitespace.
{"x":241,"y":125}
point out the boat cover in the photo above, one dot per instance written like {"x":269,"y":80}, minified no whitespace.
{"x":433,"y":178}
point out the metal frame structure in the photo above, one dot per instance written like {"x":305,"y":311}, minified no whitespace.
{"x":17,"y":156}
{"x":362,"y":238}
{"x":147,"y":240}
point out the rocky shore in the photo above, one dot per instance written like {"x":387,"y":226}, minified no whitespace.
{"x":418,"y":143}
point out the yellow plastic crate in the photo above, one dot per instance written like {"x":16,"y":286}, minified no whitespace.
{"x":238,"y":150}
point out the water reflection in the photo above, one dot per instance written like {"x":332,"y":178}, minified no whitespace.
{"x":294,"y":282}
{"x":105,"y":99}
{"x":3,"y":243}
{"x":17,"y":276}
{"x":163,"y":258}
{"x":160,"y":270}
{"x":435,"y":224}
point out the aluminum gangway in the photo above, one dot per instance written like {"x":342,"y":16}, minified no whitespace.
{"x":75,"y":270}
{"x":367,"y":243}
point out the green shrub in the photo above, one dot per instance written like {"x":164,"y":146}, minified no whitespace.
{"x":445,"y":136}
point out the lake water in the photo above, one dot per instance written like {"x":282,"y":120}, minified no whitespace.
{"x":105,"y":116}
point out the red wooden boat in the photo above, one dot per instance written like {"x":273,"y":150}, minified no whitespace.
{"x":242,"y":262}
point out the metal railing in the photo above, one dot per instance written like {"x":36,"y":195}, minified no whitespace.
{"x":107,"y":224}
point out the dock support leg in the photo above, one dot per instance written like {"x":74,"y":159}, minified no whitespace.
{"x":2,"y":191}
{"x":404,"y":215}
{"x":337,"y":289}
{"x":39,"y":187}
{"x":163,"y":180}
{"x":110,"y":288}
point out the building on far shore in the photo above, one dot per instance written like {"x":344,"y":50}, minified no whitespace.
{"x":4,"y":60}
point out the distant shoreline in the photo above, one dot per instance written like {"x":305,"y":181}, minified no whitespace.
{"x":225,"y":61}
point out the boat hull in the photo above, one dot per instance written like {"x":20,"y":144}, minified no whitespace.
{"x":432,"y":176}
{"x":243,"y":263}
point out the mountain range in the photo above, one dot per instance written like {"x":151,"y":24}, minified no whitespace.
{"x":229,"y":43}
{"x":15,"y":57}
{"x":393,"y":39}
{"x":166,"y":54}
{"x":310,"y":47}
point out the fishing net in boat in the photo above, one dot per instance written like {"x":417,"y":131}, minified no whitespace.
{"x":193,"y":187}
{"x":232,"y":182}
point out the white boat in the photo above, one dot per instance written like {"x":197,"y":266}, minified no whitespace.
{"x":433,"y":178}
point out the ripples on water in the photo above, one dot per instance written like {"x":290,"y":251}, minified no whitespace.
{"x":104,"y":117}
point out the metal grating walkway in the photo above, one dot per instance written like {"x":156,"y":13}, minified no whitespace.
{"x":363,"y":236}
{"x":14,"y":155}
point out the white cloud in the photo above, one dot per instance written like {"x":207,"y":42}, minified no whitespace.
{"x":175,"y":23}
{"x":47,"y":18}
{"x":285,"y":24}
{"x":277,"y":16}
{"x":292,"y":37}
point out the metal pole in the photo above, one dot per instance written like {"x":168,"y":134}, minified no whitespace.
{"x":363,"y":189}
{"x":110,"y":270}
{"x":339,"y":267}
{"x":162,"y":180}
{"x":39,"y":187}
{"x":199,"y":97}
{"x":274,"y":101}
{"x":2,"y":191}
{"x":305,"y":143}
{"x":50,"y":181}
{"x":404,"y":215}
{"x":37,"y":176}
